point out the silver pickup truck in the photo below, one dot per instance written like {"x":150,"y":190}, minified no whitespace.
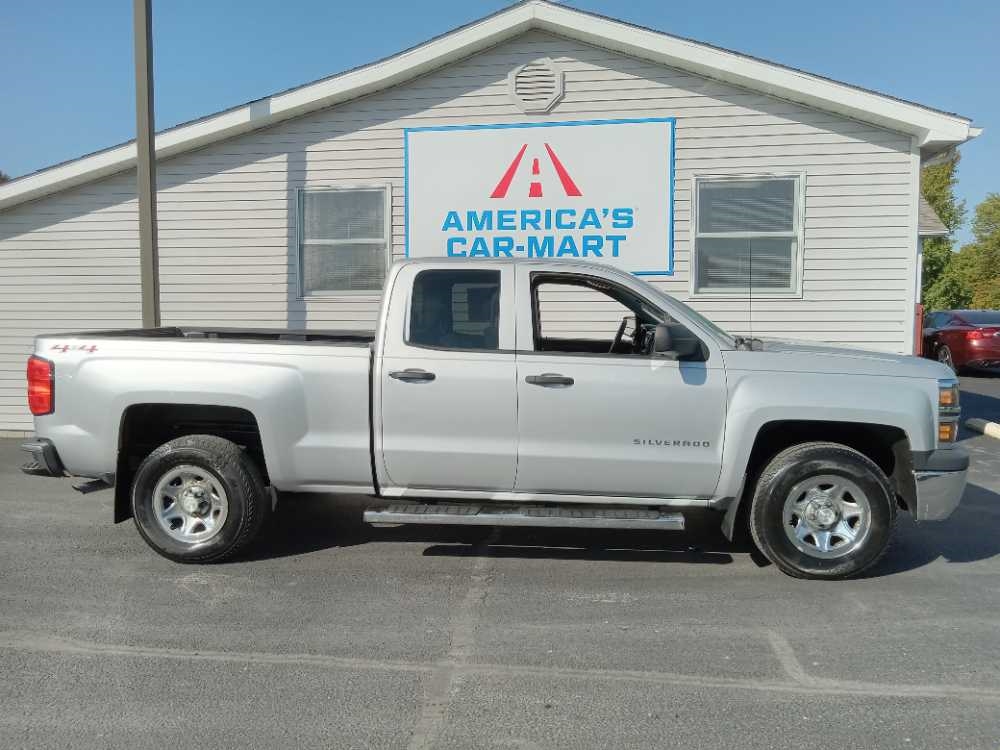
{"x":473,"y":403}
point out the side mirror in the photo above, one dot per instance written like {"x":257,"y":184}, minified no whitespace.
{"x":662,"y":339}
{"x":666,"y":344}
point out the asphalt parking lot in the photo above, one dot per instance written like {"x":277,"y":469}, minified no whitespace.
{"x":337,"y":635}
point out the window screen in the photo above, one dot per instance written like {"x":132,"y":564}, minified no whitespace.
{"x":739,"y":263}
{"x":746,"y":206}
{"x":343,"y":242}
{"x":455,"y":310}
{"x":746,"y":234}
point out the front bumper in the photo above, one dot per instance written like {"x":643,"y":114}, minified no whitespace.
{"x":939,"y":477}
{"x":45,"y":461}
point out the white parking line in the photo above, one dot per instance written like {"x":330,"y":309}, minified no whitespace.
{"x":797,"y":680}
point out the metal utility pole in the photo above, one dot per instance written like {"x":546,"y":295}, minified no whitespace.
{"x":149,"y":256}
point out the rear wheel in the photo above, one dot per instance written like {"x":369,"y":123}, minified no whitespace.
{"x":945,"y":358}
{"x":822,"y":510}
{"x":199,"y":498}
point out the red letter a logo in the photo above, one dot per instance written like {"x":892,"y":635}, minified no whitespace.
{"x":535,"y":189}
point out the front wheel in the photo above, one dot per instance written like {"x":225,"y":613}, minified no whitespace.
{"x":822,"y":510}
{"x":198,"y":498}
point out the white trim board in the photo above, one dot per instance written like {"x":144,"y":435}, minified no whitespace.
{"x":931,"y":128}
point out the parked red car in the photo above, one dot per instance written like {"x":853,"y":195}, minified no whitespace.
{"x":963,"y":338}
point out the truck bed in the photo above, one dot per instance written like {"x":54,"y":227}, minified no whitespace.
{"x":269,"y":335}
{"x":307,"y":390}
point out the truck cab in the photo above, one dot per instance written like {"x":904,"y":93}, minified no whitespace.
{"x":482,"y":389}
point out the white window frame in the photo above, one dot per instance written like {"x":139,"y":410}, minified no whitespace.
{"x":301,"y":242}
{"x":798,"y":234}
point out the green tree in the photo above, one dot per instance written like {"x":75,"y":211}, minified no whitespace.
{"x":948,"y":292}
{"x":3,"y":177}
{"x":971,"y":277}
{"x":986,"y":224}
{"x":937,"y":254}
{"x":986,"y":295}
{"x":984,"y":264}
{"x":937,"y":184}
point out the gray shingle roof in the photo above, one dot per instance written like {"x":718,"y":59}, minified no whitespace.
{"x":929,"y":224}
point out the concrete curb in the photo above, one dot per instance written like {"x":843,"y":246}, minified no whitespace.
{"x":991,"y":429}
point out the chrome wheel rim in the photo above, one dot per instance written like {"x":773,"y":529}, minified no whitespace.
{"x":189,"y":504}
{"x":827,"y":516}
{"x":944,"y":356}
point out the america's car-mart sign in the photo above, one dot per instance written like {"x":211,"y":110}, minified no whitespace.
{"x":597,"y":190}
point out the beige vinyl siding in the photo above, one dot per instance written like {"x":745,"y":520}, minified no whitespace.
{"x":227,"y":211}
{"x":67,"y":262}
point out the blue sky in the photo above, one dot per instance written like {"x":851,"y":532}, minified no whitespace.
{"x":66,"y":84}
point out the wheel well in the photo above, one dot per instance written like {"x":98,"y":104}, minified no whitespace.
{"x":886,"y":445}
{"x":875,"y":441}
{"x":145,"y":427}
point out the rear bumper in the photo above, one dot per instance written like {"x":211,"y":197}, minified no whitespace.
{"x":44,"y":461}
{"x":983,"y":353}
{"x":940,"y":478}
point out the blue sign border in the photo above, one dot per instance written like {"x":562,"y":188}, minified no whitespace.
{"x":569,"y":123}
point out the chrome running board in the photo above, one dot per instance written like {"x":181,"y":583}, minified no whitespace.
{"x":524,"y":515}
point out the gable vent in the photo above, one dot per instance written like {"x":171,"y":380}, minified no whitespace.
{"x":536,"y":86}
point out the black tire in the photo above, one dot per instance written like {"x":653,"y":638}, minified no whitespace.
{"x":797,"y":464}
{"x":249,"y":503}
{"x":945,"y":358}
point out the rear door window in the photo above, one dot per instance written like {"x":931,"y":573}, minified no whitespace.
{"x":455,"y":310}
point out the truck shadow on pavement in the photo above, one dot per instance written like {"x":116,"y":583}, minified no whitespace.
{"x":980,"y":406}
{"x":697,"y":545}
{"x":311,"y":523}
{"x":973,"y":531}
{"x":980,"y":397}
{"x":971,"y":534}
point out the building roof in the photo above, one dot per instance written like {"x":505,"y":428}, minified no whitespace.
{"x":929,"y":224}
{"x":932,"y":128}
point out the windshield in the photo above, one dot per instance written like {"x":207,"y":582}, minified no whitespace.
{"x":696,"y":316}
{"x":705,"y":322}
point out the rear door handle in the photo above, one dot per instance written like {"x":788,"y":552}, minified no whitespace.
{"x":549,"y":380}
{"x":413,"y":375}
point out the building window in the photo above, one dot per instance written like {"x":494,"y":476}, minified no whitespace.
{"x":747,"y":235}
{"x":343,"y":239}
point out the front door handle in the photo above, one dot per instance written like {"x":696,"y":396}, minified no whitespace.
{"x":549,"y":380}
{"x":413,"y":375}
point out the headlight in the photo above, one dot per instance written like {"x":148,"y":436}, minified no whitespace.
{"x":947,"y":432}
{"x":948,"y":397}
{"x":949,"y":411}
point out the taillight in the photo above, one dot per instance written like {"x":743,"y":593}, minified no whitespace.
{"x":41,"y":386}
{"x":974,"y":335}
